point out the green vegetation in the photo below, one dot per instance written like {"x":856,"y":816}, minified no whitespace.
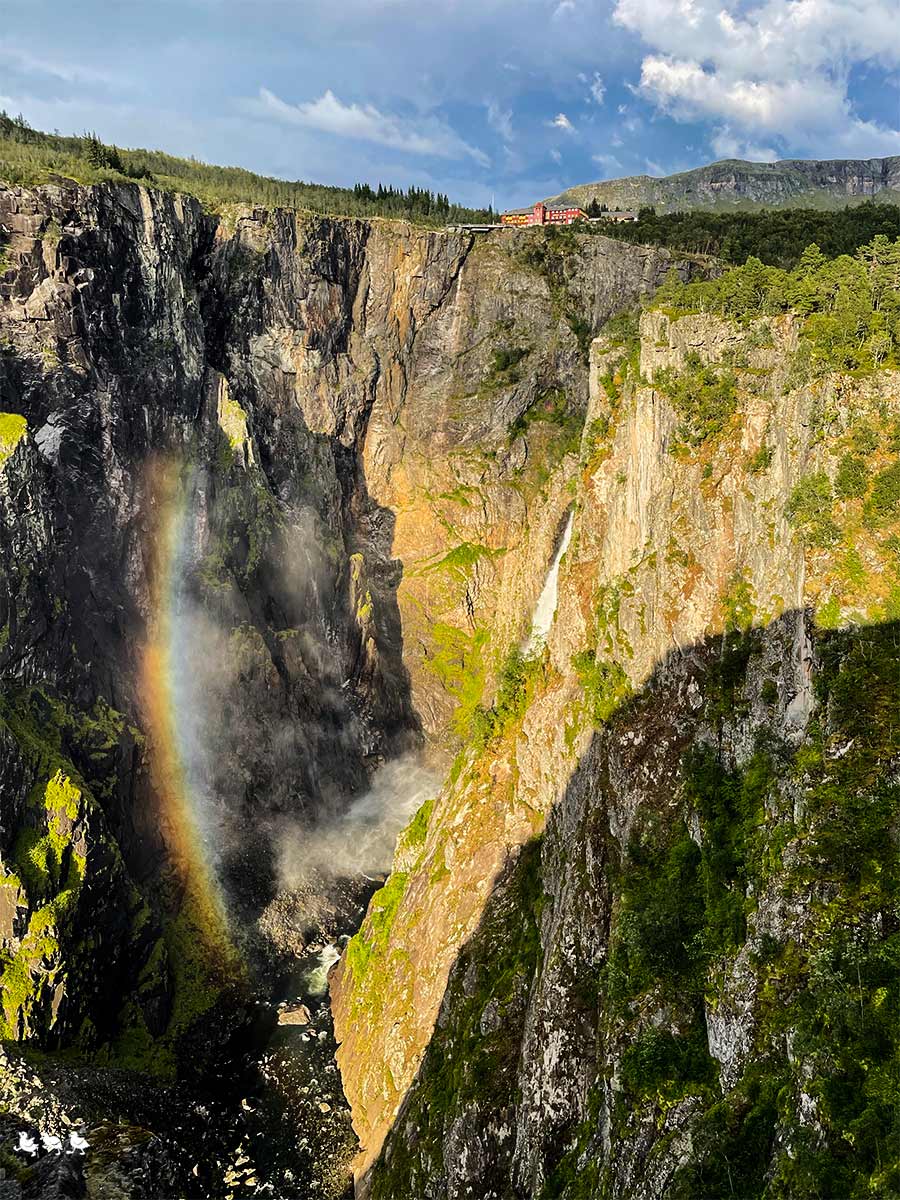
{"x":503,"y":369}
{"x":13,"y":428}
{"x":760,"y":460}
{"x":412,"y":838}
{"x":457,"y":659}
{"x":683,"y":912}
{"x":776,"y":237}
{"x":809,"y":510}
{"x":29,"y":157}
{"x":703,"y":397}
{"x":552,"y":409}
{"x":662,"y":1063}
{"x":852,"y":477}
{"x":373,"y":936}
{"x":515,"y":683}
{"x":605,"y":684}
{"x":850,"y":306}
{"x":738,"y":603}
{"x":461,"y":559}
{"x":60,"y":845}
{"x":47,"y":872}
{"x":883,"y":503}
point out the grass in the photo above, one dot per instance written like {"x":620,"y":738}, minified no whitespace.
{"x":29,"y":157}
{"x":372,"y":939}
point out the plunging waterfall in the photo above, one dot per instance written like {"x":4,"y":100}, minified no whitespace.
{"x":545,"y":609}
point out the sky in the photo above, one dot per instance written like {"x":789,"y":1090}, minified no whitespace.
{"x":486,"y":100}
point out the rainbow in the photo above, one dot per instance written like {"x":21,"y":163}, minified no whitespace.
{"x":164,"y":668}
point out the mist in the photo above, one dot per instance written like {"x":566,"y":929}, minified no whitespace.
{"x":362,"y":840}
{"x":272,"y":736}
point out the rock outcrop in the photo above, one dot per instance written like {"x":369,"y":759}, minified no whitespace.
{"x":615,"y":960}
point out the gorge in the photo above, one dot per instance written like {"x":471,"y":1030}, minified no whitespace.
{"x":409,"y":595}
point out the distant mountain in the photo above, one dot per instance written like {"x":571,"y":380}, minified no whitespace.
{"x":733,"y":183}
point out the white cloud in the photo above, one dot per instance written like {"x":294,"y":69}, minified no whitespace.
{"x":62,"y":70}
{"x":777,"y":69}
{"x":609,"y":163}
{"x":556,"y":156}
{"x":328,"y":114}
{"x":500,"y":120}
{"x":597,"y":88}
{"x":561,"y":121}
{"x":727,"y":144}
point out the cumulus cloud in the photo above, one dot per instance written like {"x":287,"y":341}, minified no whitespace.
{"x":777,"y":69}
{"x":427,"y":136}
{"x":561,"y":121}
{"x":727,"y":144}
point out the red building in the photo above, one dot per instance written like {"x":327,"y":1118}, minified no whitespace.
{"x":543,"y":214}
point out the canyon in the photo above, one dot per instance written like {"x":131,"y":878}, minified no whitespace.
{"x":272,"y":490}
{"x":360,"y":579}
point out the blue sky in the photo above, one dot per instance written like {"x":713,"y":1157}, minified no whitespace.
{"x":477,"y":98}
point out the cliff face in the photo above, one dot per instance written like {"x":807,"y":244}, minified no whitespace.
{"x":278,"y":495}
{"x":734,"y":183}
{"x":643,"y":942}
{"x":261,"y":478}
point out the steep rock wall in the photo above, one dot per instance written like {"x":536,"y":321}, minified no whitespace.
{"x":653,"y":977}
{"x":224,"y":443}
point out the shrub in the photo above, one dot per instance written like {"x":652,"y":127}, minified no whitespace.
{"x":852,"y":477}
{"x":704,"y":399}
{"x":661,"y":1061}
{"x":760,"y":460}
{"x":605,"y":685}
{"x":809,"y":510}
{"x":883,"y":504}
{"x":514,"y":680}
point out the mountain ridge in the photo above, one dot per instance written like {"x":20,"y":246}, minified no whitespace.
{"x":739,"y":183}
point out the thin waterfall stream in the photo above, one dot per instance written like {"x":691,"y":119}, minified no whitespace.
{"x":545,"y":609}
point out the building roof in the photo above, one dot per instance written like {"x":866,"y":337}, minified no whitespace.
{"x":524,"y":212}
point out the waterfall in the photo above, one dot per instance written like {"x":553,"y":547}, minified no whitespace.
{"x":546,"y":606}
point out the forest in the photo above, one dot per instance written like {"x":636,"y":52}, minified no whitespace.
{"x":849,"y":305}
{"x":776,"y":237}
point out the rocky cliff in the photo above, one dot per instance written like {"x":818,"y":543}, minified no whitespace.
{"x":278,"y":495}
{"x":645,"y":940}
{"x":272,"y":488}
{"x":733,"y":183}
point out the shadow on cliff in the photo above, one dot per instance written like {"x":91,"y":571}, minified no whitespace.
{"x":752,"y":770}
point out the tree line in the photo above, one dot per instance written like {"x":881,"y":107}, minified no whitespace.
{"x":29,"y":156}
{"x":776,"y":237}
{"x":850,"y":304}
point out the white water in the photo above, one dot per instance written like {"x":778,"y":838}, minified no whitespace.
{"x":316,"y":979}
{"x":546,"y":605}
